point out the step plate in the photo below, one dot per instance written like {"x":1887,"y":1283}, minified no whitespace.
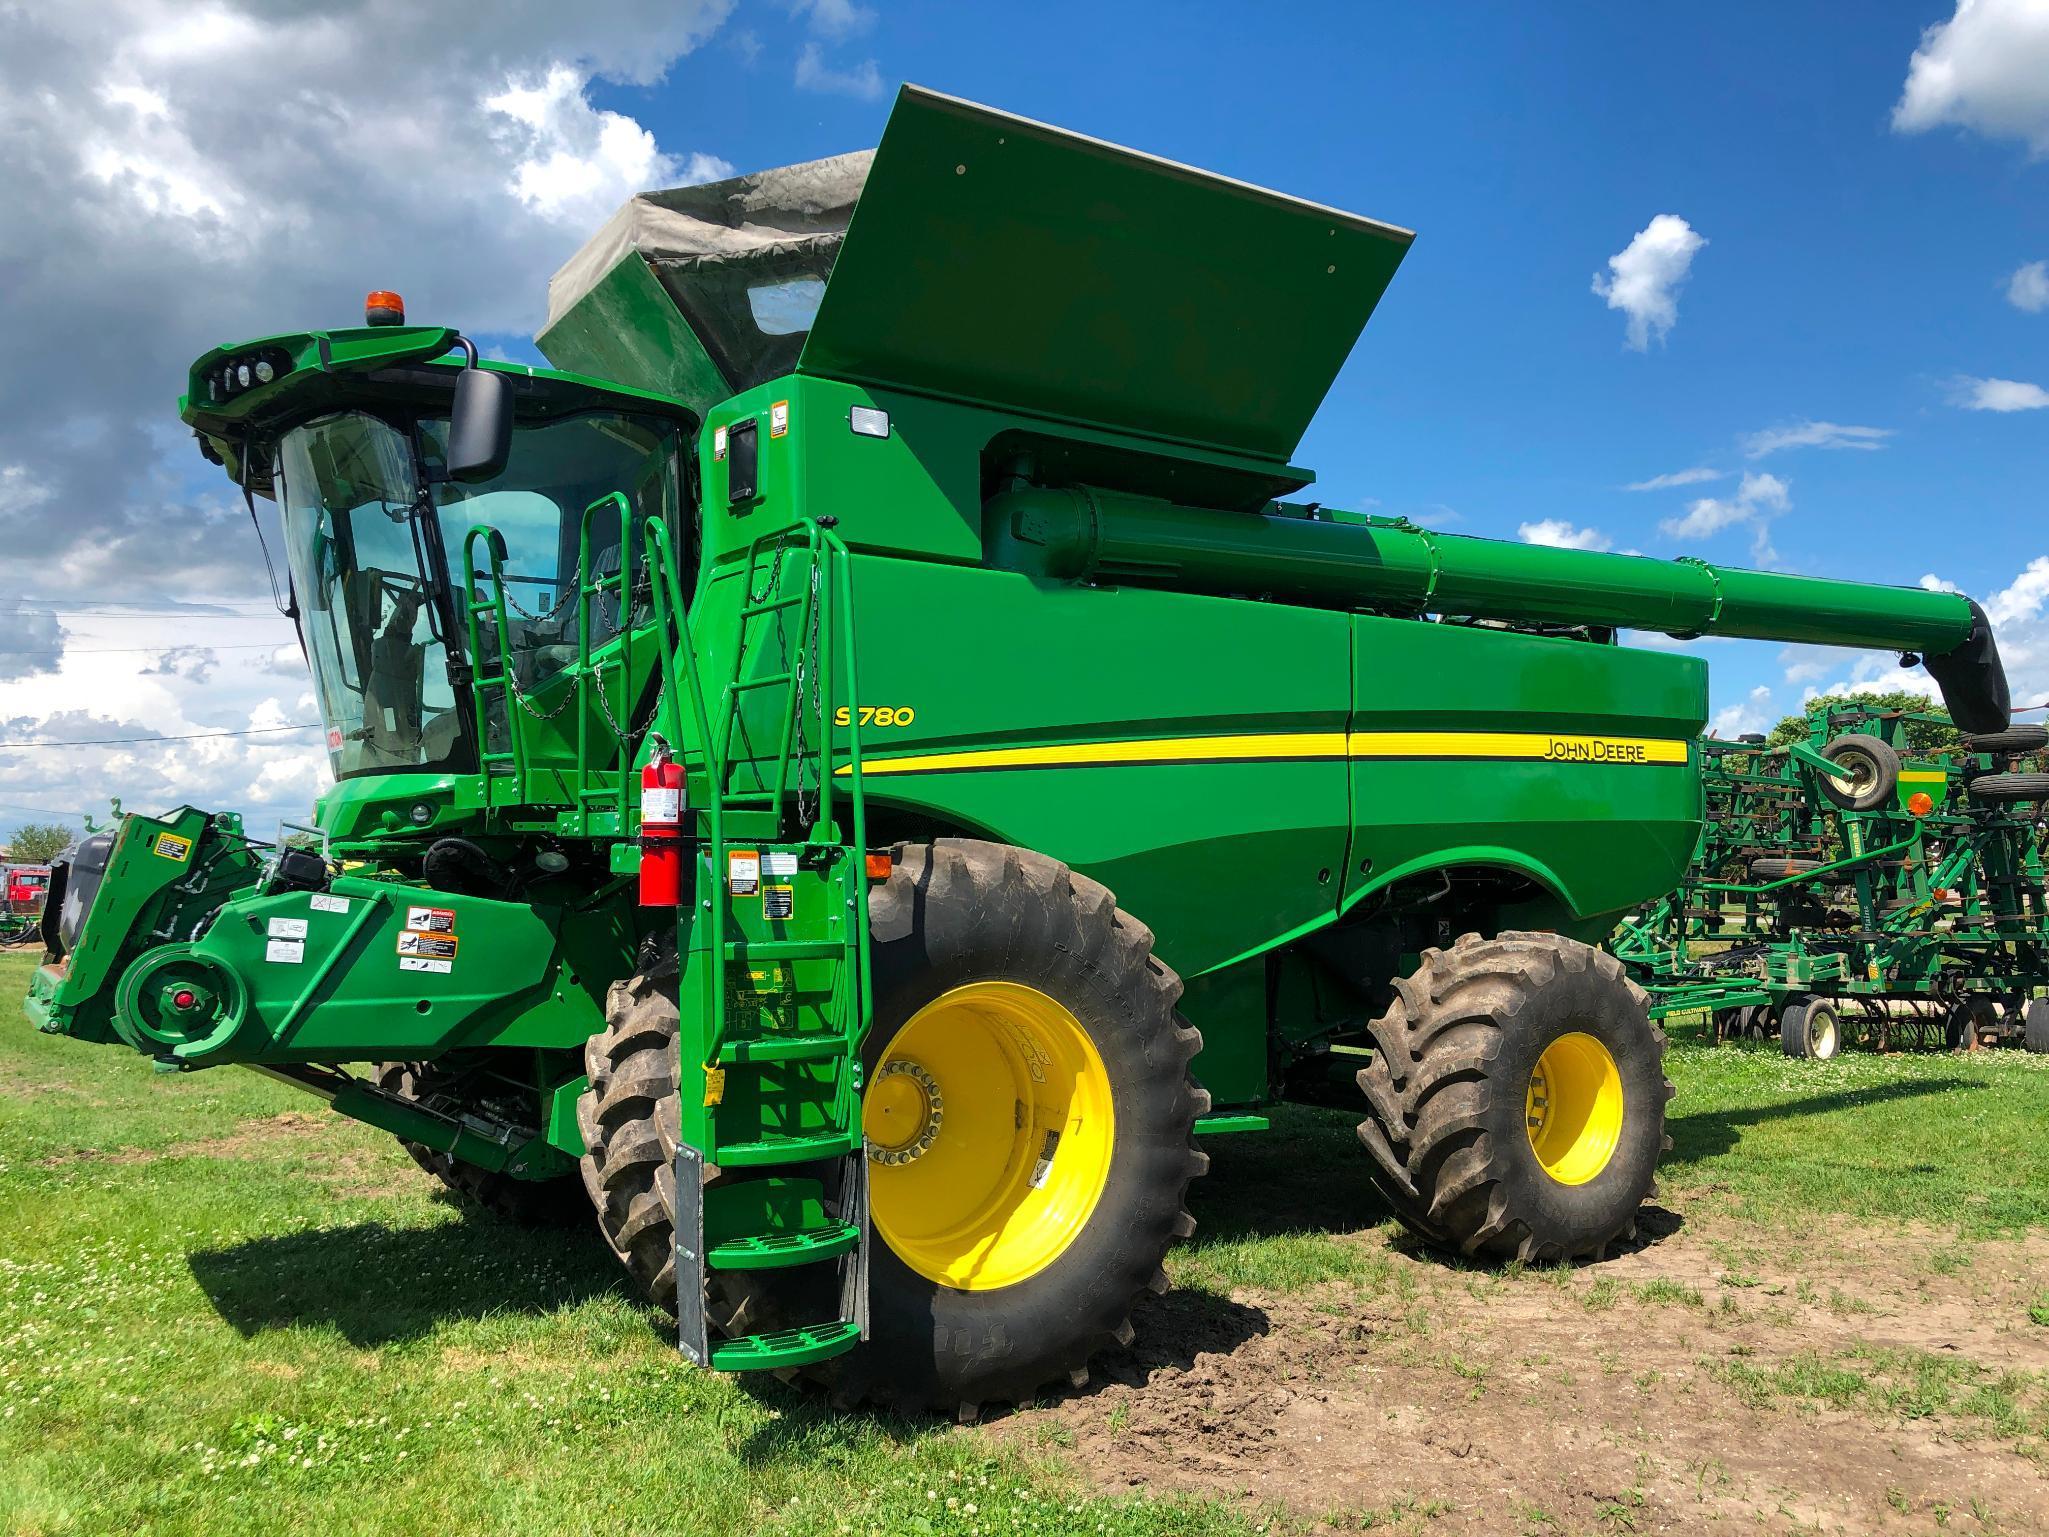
{"x":786,"y":1347}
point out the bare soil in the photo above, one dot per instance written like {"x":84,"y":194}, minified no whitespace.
{"x":1672,"y":1388}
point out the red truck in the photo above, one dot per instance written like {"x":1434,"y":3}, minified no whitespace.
{"x":25,"y":888}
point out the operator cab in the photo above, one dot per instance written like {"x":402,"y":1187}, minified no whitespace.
{"x":376,"y":521}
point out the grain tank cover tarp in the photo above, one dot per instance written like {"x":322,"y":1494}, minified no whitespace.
{"x":1006,"y":261}
{"x":724,"y":252}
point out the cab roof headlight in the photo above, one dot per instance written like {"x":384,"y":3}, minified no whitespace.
{"x":264,"y":372}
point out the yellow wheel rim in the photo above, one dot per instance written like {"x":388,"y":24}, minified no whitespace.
{"x":989,"y":1130}
{"x":1574,"y":1108}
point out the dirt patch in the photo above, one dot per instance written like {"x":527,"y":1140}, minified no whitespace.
{"x":1846,"y":1383}
{"x":263,"y":1132}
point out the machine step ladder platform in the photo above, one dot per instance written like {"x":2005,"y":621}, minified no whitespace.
{"x":771,"y":1074}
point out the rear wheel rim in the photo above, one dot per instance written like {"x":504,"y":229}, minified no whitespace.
{"x":989,"y":1127}
{"x":1822,"y":1034}
{"x":1573,"y":1108}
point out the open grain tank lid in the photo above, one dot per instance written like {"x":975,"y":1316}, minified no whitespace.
{"x":740,"y":263}
{"x":999,"y":260}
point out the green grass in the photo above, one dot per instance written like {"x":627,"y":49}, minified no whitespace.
{"x":223,"y":1311}
{"x":1958,"y":1142}
{"x":225,"y":1324}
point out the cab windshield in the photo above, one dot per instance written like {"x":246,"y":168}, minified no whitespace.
{"x":378,"y":567}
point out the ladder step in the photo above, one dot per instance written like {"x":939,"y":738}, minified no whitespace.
{"x":786,"y":1347}
{"x":785,"y":950}
{"x":773,"y":1150}
{"x":789,"y":1048}
{"x":774,"y":1251}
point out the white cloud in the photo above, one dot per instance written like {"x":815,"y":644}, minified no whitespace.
{"x":1752,"y":715}
{"x":1692,"y":477}
{"x":1814,"y":435}
{"x":836,"y":20}
{"x":1930,"y":582}
{"x":1643,"y":278}
{"x":1708,"y":515}
{"x":863,"y":80}
{"x":180,"y":175}
{"x":1758,"y":496}
{"x":1997,"y":394}
{"x":178,"y":180}
{"x":31,"y":639}
{"x":1561,"y":535}
{"x":575,"y":163}
{"x":2028,"y":288}
{"x":1985,"y":69}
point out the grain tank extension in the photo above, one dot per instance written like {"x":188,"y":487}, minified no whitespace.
{"x":904,"y":558}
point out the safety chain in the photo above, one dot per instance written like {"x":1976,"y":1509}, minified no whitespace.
{"x":505,"y":591}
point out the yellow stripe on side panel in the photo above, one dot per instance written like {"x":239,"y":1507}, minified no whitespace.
{"x":1197,"y":749}
{"x":1297,"y":746}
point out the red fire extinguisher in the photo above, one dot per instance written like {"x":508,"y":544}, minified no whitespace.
{"x":661,"y":830}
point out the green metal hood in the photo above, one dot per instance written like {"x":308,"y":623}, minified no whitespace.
{"x":985,"y":257}
{"x":1008,"y":262}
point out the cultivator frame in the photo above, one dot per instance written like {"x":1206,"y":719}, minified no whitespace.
{"x":1913,"y":897}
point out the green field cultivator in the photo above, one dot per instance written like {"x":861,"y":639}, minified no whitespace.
{"x":850,"y":778}
{"x":1864,"y":882}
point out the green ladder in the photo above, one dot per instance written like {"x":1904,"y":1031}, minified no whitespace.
{"x":774,"y":955}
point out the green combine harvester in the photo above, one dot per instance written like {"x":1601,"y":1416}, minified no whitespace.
{"x":851,"y":779}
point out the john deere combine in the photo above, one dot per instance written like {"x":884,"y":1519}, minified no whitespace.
{"x":806,"y":775}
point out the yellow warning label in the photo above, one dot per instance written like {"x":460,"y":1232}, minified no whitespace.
{"x":171,"y":846}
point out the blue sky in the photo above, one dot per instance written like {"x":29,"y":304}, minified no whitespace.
{"x":1854,"y":217}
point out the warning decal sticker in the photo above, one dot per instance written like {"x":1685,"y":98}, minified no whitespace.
{"x":778,"y":901}
{"x":324,"y":903}
{"x":289,"y":952}
{"x":439,"y":947}
{"x":171,"y":846}
{"x":433,"y":920}
{"x":743,"y":872}
{"x":424,"y":963}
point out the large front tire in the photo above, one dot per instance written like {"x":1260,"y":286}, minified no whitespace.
{"x":1030,"y":1118}
{"x":1516,"y":1099}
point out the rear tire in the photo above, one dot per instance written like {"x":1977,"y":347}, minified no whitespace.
{"x":529,"y":1202}
{"x":1495,"y":1046}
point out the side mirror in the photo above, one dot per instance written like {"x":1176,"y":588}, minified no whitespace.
{"x":479,"y":425}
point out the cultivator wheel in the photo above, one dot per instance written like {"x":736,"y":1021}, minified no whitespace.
{"x":1516,"y":1099}
{"x":529,"y":1202}
{"x":1811,"y":1027}
{"x":2035,"y":1025}
{"x":1014,"y":994}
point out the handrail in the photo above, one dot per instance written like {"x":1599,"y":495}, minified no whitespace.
{"x":843,"y":597}
{"x":472,"y":606}
{"x":589,"y":586}
{"x":669,"y":617}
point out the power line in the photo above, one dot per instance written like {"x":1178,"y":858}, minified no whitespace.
{"x":130,"y":741}
{"x":240,"y":645}
{"x":269,"y":613}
